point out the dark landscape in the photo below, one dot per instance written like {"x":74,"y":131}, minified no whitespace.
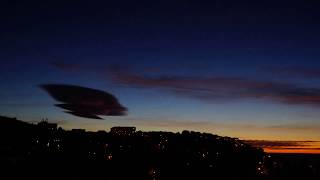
{"x":43,"y":150}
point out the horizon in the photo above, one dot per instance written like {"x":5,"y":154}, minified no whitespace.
{"x":269,"y":146}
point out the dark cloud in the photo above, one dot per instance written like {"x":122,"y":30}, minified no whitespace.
{"x":286,"y":146}
{"x":65,"y":66}
{"x":222,"y":88}
{"x":85,"y":102}
{"x":84,"y":115}
{"x":294,"y":72}
{"x":294,"y":148}
{"x":280,"y":144}
{"x":213,"y":88}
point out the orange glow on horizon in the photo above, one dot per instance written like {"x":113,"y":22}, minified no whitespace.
{"x":291,"y":150}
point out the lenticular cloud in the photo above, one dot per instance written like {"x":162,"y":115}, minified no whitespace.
{"x":85,"y":102}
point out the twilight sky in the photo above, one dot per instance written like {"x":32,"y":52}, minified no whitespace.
{"x":247,"y":69}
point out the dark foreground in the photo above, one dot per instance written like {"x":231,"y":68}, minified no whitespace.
{"x":293,"y":166}
{"x":44,"y":151}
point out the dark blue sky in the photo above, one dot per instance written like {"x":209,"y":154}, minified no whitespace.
{"x":222,"y":66}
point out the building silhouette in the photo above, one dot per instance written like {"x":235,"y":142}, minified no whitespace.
{"x":123,"y":131}
{"x":42,"y":150}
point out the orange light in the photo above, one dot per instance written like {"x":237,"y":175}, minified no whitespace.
{"x":293,"y":150}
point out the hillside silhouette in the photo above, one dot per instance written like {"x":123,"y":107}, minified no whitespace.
{"x":44,"y":150}
{"x":123,"y":153}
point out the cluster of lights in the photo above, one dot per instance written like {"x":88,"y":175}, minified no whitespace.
{"x":260,"y":168}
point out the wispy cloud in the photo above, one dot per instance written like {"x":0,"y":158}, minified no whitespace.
{"x":287,"y":146}
{"x":294,"y":72}
{"x":209,"y":88}
{"x":221,"y":88}
{"x":65,"y":66}
{"x":280,"y":144}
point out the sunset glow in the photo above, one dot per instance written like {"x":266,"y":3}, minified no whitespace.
{"x":244,"y":70}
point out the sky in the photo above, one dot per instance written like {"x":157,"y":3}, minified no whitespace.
{"x":246,"y":69}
